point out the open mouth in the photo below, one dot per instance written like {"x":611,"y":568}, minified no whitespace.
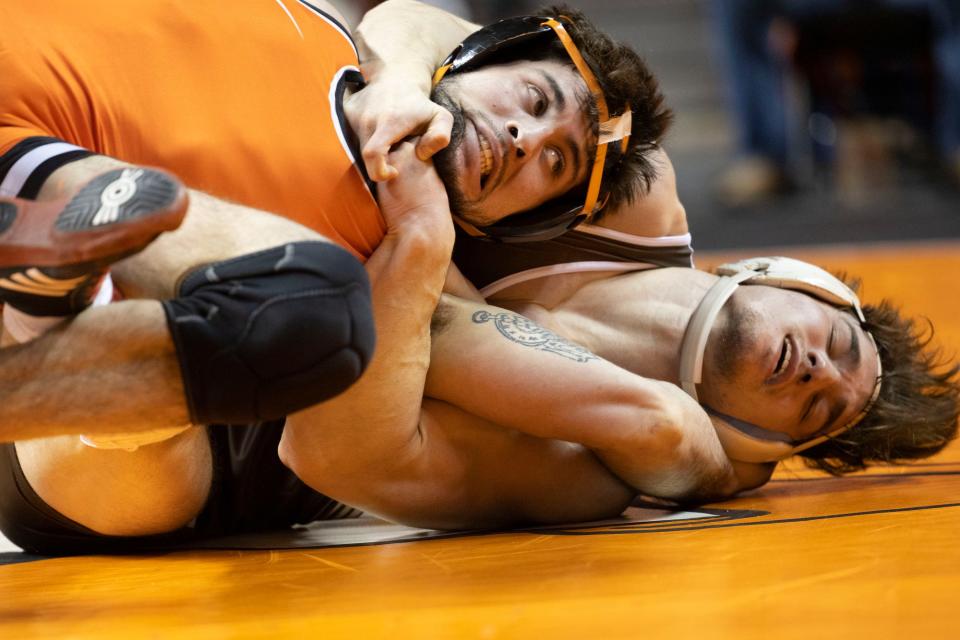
{"x":486,"y":159}
{"x":786,"y":355}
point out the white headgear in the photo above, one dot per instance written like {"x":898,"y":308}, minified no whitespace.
{"x":741,"y":440}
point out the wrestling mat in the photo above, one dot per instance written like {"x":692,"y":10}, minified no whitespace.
{"x":869,"y":555}
{"x":368,"y":530}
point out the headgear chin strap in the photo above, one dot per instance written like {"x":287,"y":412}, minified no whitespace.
{"x":556,"y":217}
{"x":741,"y":440}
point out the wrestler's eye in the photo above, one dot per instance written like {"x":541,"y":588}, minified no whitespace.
{"x":538,"y":105}
{"x":555,"y":158}
{"x":808,"y":409}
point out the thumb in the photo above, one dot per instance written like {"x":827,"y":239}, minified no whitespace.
{"x":437,"y":135}
{"x":375,"y":159}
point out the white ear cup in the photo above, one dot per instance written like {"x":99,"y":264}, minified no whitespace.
{"x":797,"y":275}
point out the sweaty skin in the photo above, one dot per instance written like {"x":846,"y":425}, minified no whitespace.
{"x":424,"y":467}
{"x":520,"y":132}
{"x":637,"y":320}
{"x":396,"y":105}
{"x":789,"y":363}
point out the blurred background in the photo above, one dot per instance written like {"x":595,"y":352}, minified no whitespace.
{"x":798,"y":122}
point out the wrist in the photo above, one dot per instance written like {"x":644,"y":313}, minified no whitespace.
{"x":408,"y":73}
{"x":425,"y":236}
{"x":411,"y":265}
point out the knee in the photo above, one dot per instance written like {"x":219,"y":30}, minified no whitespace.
{"x":169,"y":484}
{"x":155,"y":490}
{"x":263,"y":335}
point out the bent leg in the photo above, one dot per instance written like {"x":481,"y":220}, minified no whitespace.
{"x":212,"y":230}
{"x":145,"y":499}
{"x":110,"y":369}
{"x":137,"y":385}
{"x":269,"y":333}
{"x":58,"y":496}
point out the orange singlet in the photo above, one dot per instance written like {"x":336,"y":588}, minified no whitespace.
{"x":238,"y":99}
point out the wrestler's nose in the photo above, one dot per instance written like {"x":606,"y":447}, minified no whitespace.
{"x":818,"y":370}
{"x":527,"y":137}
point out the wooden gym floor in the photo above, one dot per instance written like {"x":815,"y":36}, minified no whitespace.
{"x":872,"y":555}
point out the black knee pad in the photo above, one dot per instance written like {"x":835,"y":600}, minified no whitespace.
{"x":270,"y":333}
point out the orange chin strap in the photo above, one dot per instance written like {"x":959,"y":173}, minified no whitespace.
{"x":613,"y":129}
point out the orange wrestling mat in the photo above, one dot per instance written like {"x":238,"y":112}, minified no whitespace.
{"x":807,"y":556}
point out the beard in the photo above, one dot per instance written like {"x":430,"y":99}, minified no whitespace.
{"x":733,"y":340}
{"x":444,"y":161}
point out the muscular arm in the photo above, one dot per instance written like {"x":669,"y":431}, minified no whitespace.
{"x":518,"y":430}
{"x":689,"y":466}
{"x":519,"y":427}
{"x":409,"y":36}
{"x":506,"y":369}
{"x":657,"y":213}
{"x":401,"y":43}
{"x":359,"y":447}
{"x":384,"y":448}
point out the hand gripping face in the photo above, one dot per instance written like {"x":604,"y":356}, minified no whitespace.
{"x":557,"y":216}
{"x":741,"y":440}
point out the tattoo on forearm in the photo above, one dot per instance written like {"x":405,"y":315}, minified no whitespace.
{"x":528,"y":333}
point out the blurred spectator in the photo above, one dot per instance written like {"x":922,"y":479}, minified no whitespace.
{"x":839,"y":47}
{"x":486,"y":12}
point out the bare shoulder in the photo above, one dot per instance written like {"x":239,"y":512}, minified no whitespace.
{"x":656,"y":214}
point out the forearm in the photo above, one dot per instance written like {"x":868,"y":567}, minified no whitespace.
{"x":350,"y":446}
{"x":504,"y":368}
{"x":408,"y":36}
{"x":497,"y":366}
{"x":696,"y":471}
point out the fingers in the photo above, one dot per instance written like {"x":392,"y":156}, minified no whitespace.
{"x":437,"y":135}
{"x":375,"y":158}
{"x":416,"y":176}
{"x":403,"y":158}
{"x":433,"y":130}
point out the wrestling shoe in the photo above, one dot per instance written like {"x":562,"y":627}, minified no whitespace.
{"x":53,"y":254}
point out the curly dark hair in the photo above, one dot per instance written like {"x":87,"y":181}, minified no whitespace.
{"x":915,"y":415}
{"x":625,"y":80}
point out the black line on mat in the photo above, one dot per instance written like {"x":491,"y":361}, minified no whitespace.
{"x":869,"y":476}
{"x":832,"y":516}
